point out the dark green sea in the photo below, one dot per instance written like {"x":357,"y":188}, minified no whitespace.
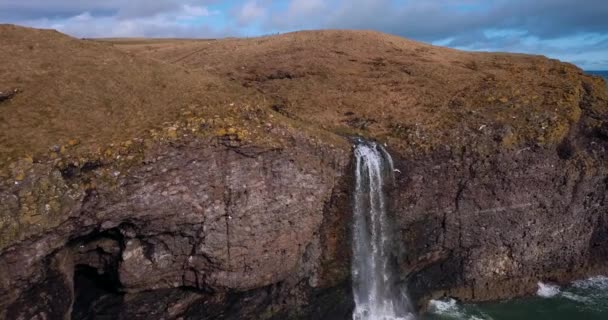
{"x":599,"y":73}
{"x":584,"y":299}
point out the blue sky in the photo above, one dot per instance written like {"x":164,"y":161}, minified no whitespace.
{"x":574,"y":31}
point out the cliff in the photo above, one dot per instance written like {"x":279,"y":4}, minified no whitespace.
{"x":212,"y":178}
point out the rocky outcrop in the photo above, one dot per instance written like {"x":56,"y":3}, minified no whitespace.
{"x":5,"y":95}
{"x":193,"y":220}
{"x":222,"y":191}
{"x":490,"y":226}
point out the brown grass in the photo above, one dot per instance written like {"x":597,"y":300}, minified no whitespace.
{"x":385,"y":86}
{"x":345,"y":82}
{"x":90,"y":92}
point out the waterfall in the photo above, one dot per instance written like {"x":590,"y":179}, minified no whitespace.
{"x":375,"y":288}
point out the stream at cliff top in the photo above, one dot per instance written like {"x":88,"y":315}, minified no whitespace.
{"x":376,"y":291}
{"x":584,"y":299}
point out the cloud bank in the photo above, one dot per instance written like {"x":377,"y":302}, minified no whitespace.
{"x":575,"y":31}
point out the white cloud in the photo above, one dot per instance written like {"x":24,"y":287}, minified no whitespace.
{"x":299,"y":14}
{"x":250,"y":12}
{"x":305,"y":7}
{"x":86,"y":16}
{"x":459,"y":23}
{"x":198,"y":11}
{"x":182,"y":22}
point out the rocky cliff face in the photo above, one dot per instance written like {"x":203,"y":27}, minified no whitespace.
{"x":482,"y":228}
{"x":194,"y":220}
{"x":236,"y":204}
{"x":490,"y":226}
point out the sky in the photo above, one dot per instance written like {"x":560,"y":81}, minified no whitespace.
{"x":570,"y":30}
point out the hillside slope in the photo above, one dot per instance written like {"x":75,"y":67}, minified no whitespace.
{"x":84,"y":91}
{"x":391,"y":88}
{"x":413,"y":95}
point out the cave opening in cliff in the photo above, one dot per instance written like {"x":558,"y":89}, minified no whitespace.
{"x":95,"y":295}
{"x":97,"y":288}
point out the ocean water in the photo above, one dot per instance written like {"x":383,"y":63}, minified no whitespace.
{"x":603,"y":74}
{"x":584,"y":299}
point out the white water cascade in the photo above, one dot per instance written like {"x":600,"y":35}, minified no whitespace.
{"x":376,"y":291}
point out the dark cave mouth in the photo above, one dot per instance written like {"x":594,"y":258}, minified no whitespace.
{"x":98,"y":292}
{"x":95,"y":294}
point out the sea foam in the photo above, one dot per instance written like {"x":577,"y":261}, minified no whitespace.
{"x":598,"y":282}
{"x":449,"y":308}
{"x":547,"y":290}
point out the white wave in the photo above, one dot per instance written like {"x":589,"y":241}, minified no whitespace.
{"x":362,"y":312}
{"x":575,"y":297}
{"x":443,"y":306}
{"x":446,"y":307}
{"x":450,"y":309}
{"x":546,"y":290}
{"x":598,"y":282}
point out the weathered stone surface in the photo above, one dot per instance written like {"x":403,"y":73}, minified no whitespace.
{"x":490,"y":226}
{"x":196,"y":216}
{"x":482,"y":228}
{"x":50,"y":297}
